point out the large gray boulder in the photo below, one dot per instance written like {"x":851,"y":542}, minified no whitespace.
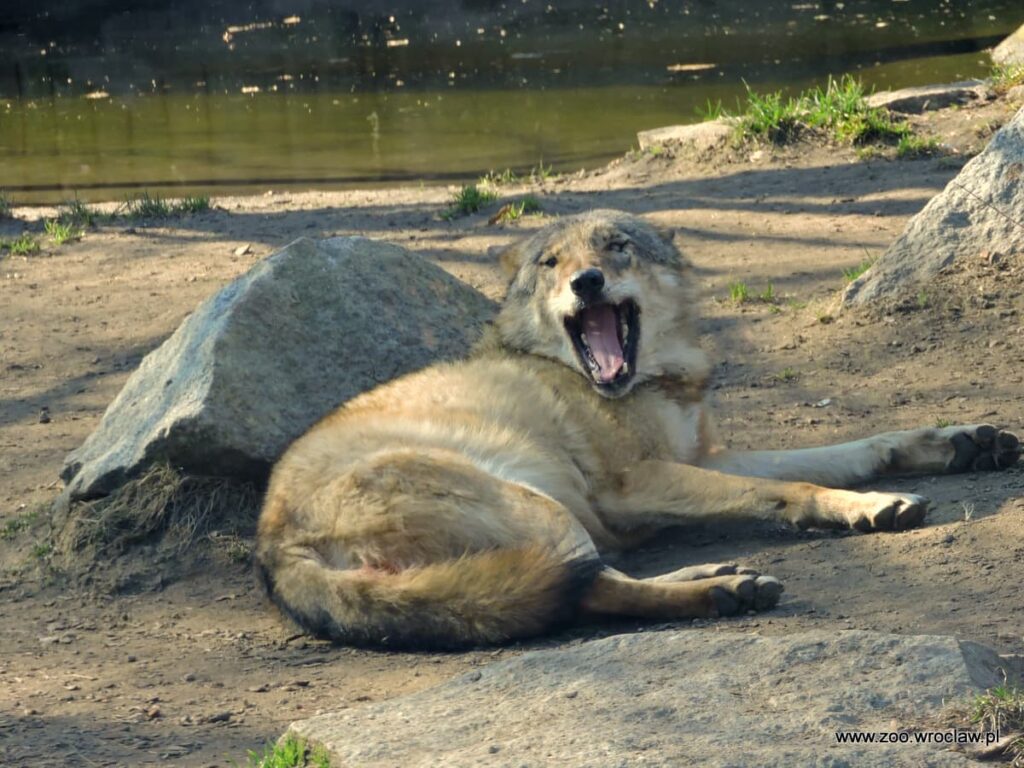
{"x":978,"y":211}
{"x":259,"y":362}
{"x":698,"y":697}
{"x":1011,"y":50}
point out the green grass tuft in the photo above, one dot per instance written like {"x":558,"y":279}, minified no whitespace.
{"x":498,"y":178}
{"x":77,"y":213}
{"x":852,"y":273}
{"x":911,"y":146}
{"x":15,"y":525}
{"x":290,"y":752}
{"x":1001,"y":710}
{"x":6,"y":207}
{"x":712,"y":110}
{"x":517,"y":209}
{"x":192,"y":204}
{"x":24,"y":245}
{"x":146,"y":206}
{"x":61,"y":232}
{"x":768,"y":294}
{"x":941,"y":422}
{"x":541,"y":173}
{"x":769,"y":116}
{"x":739,"y":292}
{"x":838,"y":110}
{"x":467,"y":200}
{"x":1005,"y":76}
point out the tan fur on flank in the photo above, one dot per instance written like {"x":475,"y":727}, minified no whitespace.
{"x":469,"y":502}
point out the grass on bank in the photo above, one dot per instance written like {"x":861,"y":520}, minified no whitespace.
{"x":61,"y":231}
{"x":740,"y":293}
{"x":852,"y":273}
{"x":146,"y":206}
{"x":1001,"y":710}
{"x":290,"y":752}
{"x":839,"y":110}
{"x":6,"y":206}
{"x":1006,"y":76}
{"x":516,"y":210}
{"x":24,"y":245}
{"x":470,"y":199}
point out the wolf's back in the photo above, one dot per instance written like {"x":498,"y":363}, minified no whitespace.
{"x":483,"y":598}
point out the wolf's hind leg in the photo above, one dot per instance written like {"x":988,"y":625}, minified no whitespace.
{"x":423,"y":549}
{"x":617,"y":594}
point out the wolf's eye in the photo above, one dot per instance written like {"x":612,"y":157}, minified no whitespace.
{"x":551,"y":261}
{"x":618,"y":246}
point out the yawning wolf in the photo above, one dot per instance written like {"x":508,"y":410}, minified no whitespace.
{"x":470,"y":502}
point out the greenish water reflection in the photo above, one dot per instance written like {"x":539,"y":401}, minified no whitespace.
{"x":110,"y":111}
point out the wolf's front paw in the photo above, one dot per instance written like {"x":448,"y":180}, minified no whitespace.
{"x":732,"y":595}
{"x":887,"y":511}
{"x":983,"y":447}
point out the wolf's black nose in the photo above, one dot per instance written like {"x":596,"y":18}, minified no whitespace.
{"x":587,"y":283}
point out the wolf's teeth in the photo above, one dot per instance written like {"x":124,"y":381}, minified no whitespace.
{"x":625,"y":368}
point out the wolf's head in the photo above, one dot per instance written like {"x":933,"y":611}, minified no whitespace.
{"x":608,"y":295}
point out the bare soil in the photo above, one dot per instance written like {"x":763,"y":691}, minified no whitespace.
{"x":192,"y":669}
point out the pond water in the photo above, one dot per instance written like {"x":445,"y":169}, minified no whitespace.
{"x":221,"y":96}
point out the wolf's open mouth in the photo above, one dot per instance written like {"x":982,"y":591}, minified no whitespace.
{"x":605,"y":337}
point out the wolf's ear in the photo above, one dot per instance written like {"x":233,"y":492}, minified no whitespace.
{"x":510,"y":257}
{"x":671,"y":236}
{"x":666,"y":234}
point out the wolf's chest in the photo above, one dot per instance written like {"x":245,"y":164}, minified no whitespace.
{"x":680,"y":427}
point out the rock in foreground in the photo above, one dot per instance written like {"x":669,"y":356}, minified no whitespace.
{"x":977,"y":213}
{"x":699,"y":697}
{"x":259,"y":362}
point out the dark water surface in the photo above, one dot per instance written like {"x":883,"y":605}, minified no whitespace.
{"x":104,"y":97}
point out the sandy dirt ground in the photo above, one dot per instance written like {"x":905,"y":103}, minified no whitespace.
{"x":196,"y":671}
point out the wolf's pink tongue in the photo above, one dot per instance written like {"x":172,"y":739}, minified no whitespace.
{"x":603,"y":338}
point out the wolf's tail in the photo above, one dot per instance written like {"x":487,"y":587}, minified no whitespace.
{"x":483,"y":598}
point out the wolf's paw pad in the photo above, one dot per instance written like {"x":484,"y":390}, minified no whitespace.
{"x":890,"y":512}
{"x":983,"y":448}
{"x":745,"y":593}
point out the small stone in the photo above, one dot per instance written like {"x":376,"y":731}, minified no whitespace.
{"x":153,"y":712}
{"x":243,"y":249}
{"x":189,"y":678}
{"x":131,"y":659}
{"x":44,"y":415}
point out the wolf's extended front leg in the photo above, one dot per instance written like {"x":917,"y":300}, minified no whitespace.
{"x":667,"y":493}
{"x":916,"y":451}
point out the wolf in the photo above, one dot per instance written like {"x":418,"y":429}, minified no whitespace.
{"x":471,"y":502}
